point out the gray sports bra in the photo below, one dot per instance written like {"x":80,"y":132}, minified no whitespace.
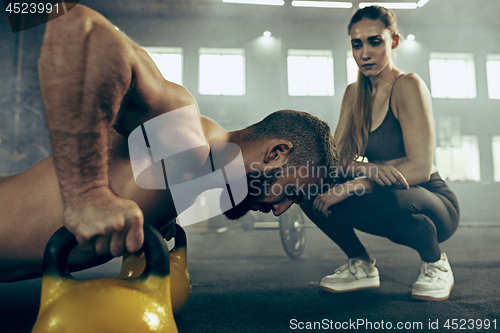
{"x":386,"y":141}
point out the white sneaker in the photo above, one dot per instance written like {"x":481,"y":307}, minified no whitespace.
{"x":435,"y":281}
{"x":354,"y":275}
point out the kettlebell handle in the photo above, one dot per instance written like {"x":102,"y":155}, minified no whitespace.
{"x":180,"y":237}
{"x":55,"y":257}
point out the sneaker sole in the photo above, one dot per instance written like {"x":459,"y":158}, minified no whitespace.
{"x":367,"y":283}
{"x":439,"y":295}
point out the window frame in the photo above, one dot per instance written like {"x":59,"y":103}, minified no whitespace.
{"x":496,"y":157}
{"x":221,"y":52}
{"x":469,"y":80}
{"x":473,"y":170}
{"x":168,"y":50}
{"x":493,"y":89}
{"x":309,"y":53}
{"x":350,"y":75}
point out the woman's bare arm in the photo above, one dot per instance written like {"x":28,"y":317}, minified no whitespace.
{"x":413,"y":104}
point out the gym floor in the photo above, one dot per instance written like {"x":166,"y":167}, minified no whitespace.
{"x":244,"y":282}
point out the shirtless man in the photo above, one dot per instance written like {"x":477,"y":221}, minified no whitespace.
{"x":97,"y":87}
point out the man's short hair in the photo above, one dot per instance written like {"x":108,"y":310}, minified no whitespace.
{"x":310,"y":136}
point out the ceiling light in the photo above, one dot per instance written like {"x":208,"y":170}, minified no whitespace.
{"x":267,"y":34}
{"x":390,"y":5}
{"x":421,"y":3}
{"x":258,"y":2}
{"x":322,"y":4}
{"x":411,"y":37}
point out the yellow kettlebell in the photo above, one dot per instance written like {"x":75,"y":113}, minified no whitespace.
{"x":180,"y":281}
{"x":105,"y":305}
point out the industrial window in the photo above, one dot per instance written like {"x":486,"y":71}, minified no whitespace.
{"x":169,"y":62}
{"x":352,"y":68}
{"x":459,"y":162}
{"x":493,"y":72}
{"x":496,"y":157}
{"x":222,"y":72}
{"x":452,"y":75}
{"x":310,"y":73}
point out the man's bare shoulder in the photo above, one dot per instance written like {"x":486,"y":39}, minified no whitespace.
{"x":212,"y":130}
{"x":148,"y":93}
{"x":148,"y":89}
{"x":77,"y":14}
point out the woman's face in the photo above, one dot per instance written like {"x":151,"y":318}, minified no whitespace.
{"x":371,"y":45}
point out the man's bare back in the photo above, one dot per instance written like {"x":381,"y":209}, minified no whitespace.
{"x":32,"y":209}
{"x":35,"y":211}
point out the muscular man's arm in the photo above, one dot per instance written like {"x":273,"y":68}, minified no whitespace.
{"x":85,"y":69}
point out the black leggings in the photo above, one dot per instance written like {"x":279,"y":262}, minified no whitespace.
{"x":420,"y":217}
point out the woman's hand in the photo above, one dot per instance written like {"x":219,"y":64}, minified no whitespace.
{"x":385,"y":175}
{"x":337,"y":194}
{"x":333,"y":196}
